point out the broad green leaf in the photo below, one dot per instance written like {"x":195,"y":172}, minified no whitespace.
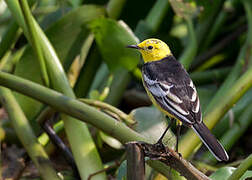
{"x":152,"y":123}
{"x":67,"y":36}
{"x":222,"y":173}
{"x":112,"y":38}
{"x":225,"y":172}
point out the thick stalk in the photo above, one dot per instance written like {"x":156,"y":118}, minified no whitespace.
{"x":234,"y":133}
{"x":114,"y":8}
{"x":204,"y":27}
{"x":190,"y":140}
{"x":80,"y":140}
{"x":34,"y":40}
{"x":78,"y":110}
{"x":210,"y":76}
{"x":26,"y":135}
{"x":88,"y":72}
{"x":8,"y":38}
{"x":157,"y":14}
{"x":242,"y":168}
{"x":190,"y":52}
{"x":149,"y":26}
{"x":216,"y":108}
{"x":107,"y":107}
{"x":217,"y":26}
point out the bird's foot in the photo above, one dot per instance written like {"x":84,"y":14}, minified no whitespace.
{"x":160,"y":147}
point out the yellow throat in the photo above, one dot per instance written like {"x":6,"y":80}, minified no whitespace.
{"x":152,"y":49}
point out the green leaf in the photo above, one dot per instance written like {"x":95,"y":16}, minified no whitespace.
{"x":67,"y":36}
{"x":122,"y":171}
{"x":225,"y":172}
{"x":112,"y":38}
{"x":152,"y":123}
{"x":247,"y":175}
{"x":222,"y":173}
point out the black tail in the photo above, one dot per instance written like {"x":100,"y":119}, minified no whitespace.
{"x":210,"y":141}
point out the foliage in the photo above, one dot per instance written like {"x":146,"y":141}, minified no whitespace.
{"x":78,"y":48}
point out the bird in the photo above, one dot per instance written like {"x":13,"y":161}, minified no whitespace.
{"x":172,"y":91}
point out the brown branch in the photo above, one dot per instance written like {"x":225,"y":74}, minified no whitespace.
{"x":135,"y":161}
{"x":171,"y":159}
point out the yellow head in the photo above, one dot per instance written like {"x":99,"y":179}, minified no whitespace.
{"x":152,"y":49}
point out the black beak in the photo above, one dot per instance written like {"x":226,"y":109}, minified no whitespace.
{"x":133,"y":46}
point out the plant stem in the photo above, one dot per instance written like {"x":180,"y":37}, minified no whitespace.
{"x":78,"y":110}
{"x":242,"y":168}
{"x":26,"y":135}
{"x":99,"y":104}
{"x":119,"y":84}
{"x":82,"y":145}
{"x":229,"y":93}
{"x":149,"y":26}
{"x":88,"y":72}
{"x":135,"y":161}
{"x":157,"y":14}
{"x":114,"y":8}
{"x":233,"y":134}
{"x":210,"y":76}
{"x":217,"y":26}
{"x":204,"y":27}
{"x":219,"y":46}
{"x":9,"y":37}
{"x":34,"y":40}
{"x":190,"y":52}
{"x":190,"y":140}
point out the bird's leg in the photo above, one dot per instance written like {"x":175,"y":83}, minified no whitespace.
{"x":177,"y":136}
{"x":160,"y":142}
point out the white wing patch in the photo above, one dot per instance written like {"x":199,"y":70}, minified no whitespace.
{"x":196,"y":108}
{"x":170,"y":95}
{"x":194,"y":95}
{"x":178,"y":108}
{"x":149,"y":81}
{"x":175,"y":112}
{"x":194,"y":98}
{"x":155,"y":89}
{"x":158,"y":91}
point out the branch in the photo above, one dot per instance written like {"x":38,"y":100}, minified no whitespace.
{"x":171,"y":159}
{"x":107,"y":107}
{"x":135,"y":161}
{"x":91,"y":115}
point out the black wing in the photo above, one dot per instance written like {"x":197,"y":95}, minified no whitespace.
{"x":172,"y":88}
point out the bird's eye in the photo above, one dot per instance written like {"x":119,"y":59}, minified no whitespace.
{"x":150,"y":47}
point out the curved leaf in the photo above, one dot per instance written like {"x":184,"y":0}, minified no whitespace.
{"x":112,"y":38}
{"x":67,"y":36}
